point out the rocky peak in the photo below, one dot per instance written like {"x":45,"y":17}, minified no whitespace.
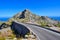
{"x":24,"y":13}
{"x":27,"y":16}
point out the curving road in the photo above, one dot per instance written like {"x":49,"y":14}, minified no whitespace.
{"x":41,"y":33}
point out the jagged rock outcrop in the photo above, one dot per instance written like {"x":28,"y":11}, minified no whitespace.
{"x":19,"y":30}
{"x":27,"y":16}
{"x":4,"y":25}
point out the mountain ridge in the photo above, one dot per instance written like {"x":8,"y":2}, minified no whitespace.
{"x":26,"y":16}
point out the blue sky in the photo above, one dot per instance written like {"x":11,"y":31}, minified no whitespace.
{"x":8,"y":8}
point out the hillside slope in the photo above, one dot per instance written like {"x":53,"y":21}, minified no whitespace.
{"x":27,"y":17}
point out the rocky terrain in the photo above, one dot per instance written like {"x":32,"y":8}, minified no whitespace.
{"x":15,"y":32}
{"x":27,"y":17}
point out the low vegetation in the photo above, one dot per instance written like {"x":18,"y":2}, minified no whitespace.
{"x":57,"y":25}
{"x":43,"y":21}
{"x":27,"y":16}
{"x":1,"y":23}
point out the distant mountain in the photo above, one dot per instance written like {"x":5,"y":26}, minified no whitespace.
{"x":28,"y":17}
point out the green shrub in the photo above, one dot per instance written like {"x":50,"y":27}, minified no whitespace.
{"x":58,"y":25}
{"x":2,"y":38}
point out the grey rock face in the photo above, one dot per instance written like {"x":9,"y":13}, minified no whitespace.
{"x":28,"y":16}
{"x":19,"y":30}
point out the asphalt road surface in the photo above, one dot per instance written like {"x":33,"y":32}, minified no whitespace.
{"x":42,"y":34}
